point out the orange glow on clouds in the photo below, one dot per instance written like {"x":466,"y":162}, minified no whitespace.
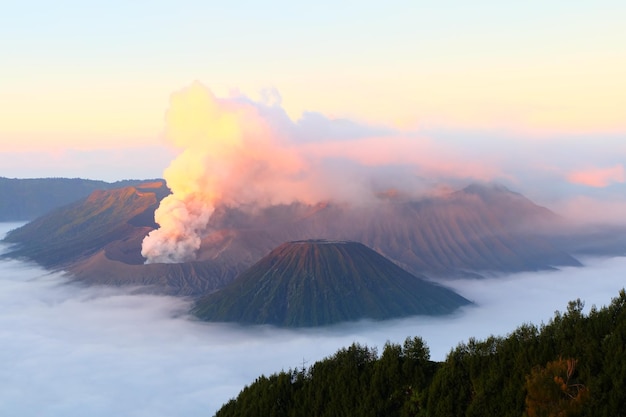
{"x":598,"y":177}
{"x":235,"y":152}
{"x":427,"y":157}
{"x":569,"y":97}
{"x":79,"y":114}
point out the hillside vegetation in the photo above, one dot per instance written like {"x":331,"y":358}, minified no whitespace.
{"x":572,"y":366}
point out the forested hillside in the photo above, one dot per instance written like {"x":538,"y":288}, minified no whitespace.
{"x":572,"y":366}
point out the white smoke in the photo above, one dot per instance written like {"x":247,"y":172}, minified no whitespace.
{"x":231,"y":155}
{"x":236,"y":151}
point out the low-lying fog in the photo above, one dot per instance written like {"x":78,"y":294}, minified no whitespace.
{"x":68,"y":350}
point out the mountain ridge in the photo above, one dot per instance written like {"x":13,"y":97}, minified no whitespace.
{"x":28,"y":198}
{"x":456,"y":234}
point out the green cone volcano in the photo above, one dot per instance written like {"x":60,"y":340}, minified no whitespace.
{"x":316,"y":282}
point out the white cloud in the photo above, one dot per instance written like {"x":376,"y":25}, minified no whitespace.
{"x":73,"y":351}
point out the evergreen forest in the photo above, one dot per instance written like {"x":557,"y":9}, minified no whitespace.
{"x":574,"y":365}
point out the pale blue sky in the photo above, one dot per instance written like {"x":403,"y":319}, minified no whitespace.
{"x":86,"y":80}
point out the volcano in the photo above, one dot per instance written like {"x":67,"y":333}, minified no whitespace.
{"x":318,"y":282}
{"x":28,"y":198}
{"x":481,"y":229}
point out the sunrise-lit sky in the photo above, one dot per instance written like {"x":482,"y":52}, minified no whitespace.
{"x":84,"y":86}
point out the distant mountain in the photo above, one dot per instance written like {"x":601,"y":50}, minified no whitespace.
{"x":98,"y":240}
{"x":82,"y":228}
{"x":316,"y":282}
{"x":26,"y":199}
{"x":477,"y":230}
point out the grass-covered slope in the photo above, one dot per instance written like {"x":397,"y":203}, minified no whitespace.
{"x":311,"y":283}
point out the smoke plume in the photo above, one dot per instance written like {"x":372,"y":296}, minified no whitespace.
{"x":238,"y":152}
{"x":231,"y":155}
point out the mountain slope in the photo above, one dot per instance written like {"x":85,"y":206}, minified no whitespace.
{"x":98,"y":240}
{"x":26,"y":199}
{"x":480,"y":228}
{"x":84,"y":227}
{"x":476,"y":230}
{"x":312,"y":283}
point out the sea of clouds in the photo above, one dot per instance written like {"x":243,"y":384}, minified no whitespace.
{"x":71,"y":350}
